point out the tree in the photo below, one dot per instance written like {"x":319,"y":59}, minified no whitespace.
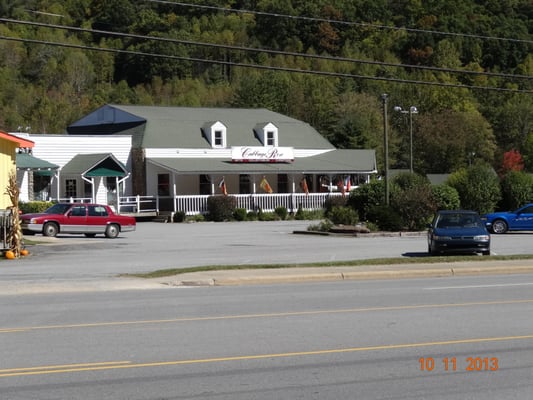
{"x":512,"y":161}
{"x":448,"y":140}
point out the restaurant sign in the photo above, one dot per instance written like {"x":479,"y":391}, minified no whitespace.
{"x":262,"y":154}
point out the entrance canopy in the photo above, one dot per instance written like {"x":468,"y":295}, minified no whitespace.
{"x":95,"y":165}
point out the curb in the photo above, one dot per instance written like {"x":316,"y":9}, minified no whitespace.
{"x":292,"y":276}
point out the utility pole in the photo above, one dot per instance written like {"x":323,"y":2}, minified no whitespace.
{"x":384,"y":98}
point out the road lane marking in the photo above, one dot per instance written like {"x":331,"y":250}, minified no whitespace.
{"x":265,"y":315}
{"x":479,"y":286}
{"x":60,"y":369}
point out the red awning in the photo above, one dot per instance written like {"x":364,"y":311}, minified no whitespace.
{"x":21,"y":142}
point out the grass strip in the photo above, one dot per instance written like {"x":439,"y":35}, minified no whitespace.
{"x":353,"y":263}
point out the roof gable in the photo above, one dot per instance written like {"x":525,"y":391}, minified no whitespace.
{"x":94,"y":165}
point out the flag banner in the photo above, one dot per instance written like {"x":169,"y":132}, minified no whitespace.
{"x":340,"y":185}
{"x":265,"y":186}
{"x":348,"y":183}
{"x":303,"y":185}
{"x":222,"y":186}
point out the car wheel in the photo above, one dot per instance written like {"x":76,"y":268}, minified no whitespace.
{"x":50,"y":229}
{"x":499,"y":226}
{"x":486,"y":253}
{"x":91,"y":235}
{"x":112,"y":231}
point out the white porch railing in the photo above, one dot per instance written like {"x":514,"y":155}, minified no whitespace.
{"x":193,"y":205}
{"x":197,"y":204}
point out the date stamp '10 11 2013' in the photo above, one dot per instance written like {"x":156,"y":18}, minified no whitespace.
{"x":469,"y":364}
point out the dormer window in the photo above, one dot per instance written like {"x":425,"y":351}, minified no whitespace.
{"x":267,"y":134}
{"x":216,"y":134}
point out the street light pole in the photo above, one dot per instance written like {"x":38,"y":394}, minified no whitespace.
{"x":412,"y":110}
{"x":384,"y":98}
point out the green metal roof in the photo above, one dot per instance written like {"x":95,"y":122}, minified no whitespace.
{"x":92,"y":165}
{"x":27,"y":161}
{"x":181,"y":127}
{"x":332,"y":162}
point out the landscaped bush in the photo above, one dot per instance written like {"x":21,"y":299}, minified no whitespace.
{"x":445,"y":197}
{"x":334,"y":201}
{"x":179,"y":216}
{"x":281,"y":212}
{"x":478,"y":187}
{"x":386,"y":218}
{"x":240,"y":214}
{"x":221,"y":208}
{"x":517,"y":190}
{"x":34,"y":206}
{"x":367,"y":196}
{"x":342,"y":216}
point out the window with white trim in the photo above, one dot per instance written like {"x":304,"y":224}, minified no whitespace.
{"x":217,"y":135}
{"x":268,"y":134}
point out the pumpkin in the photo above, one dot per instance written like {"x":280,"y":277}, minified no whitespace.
{"x":9,"y":255}
{"x":24,"y":252}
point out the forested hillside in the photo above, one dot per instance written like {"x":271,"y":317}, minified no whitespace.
{"x":466,"y":65}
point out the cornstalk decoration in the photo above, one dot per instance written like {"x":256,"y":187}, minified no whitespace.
{"x":14,"y":235}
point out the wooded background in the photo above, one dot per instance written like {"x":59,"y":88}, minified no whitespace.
{"x":467,"y":66}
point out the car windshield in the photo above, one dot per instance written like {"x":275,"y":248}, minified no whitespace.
{"x":58,"y":209}
{"x":459,"y":221}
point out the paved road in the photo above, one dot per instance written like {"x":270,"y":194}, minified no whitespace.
{"x":342,"y":340}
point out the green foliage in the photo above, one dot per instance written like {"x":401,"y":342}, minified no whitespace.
{"x":221,"y":208}
{"x":366,"y":197}
{"x":517,"y":190}
{"x":342,"y":216}
{"x":281,"y":212}
{"x":334,"y":201}
{"x":240,"y":214}
{"x":34,"y":206}
{"x":386,"y":218}
{"x":478,"y":187}
{"x":412,"y":199}
{"x":323,"y":226}
{"x":446,"y":197}
{"x":179,"y":216}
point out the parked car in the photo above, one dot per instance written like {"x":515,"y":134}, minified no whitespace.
{"x":89,"y":219}
{"x":458,"y":231}
{"x":520,"y":219}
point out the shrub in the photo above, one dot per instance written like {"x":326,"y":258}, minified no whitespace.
{"x":34,"y":206}
{"x":385,"y":218}
{"x":517,"y":190}
{"x":334,"y":201}
{"x":342,"y":216}
{"x":367,"y":196}
{"x":323,"y":226}
{"x":446,"y":197}
{"x":240,"y":214}
{"x":281,"y":212}
{"x":414,"y":205}
{"x":478,"y":187}
{"x":251,"y":216}
{"x":267,"y":216}
{"x":179,"y":216}
{"x":221,"y":208}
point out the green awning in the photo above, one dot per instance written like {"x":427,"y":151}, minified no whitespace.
{"x":29,"y":162}
{"x":104,"y":172}
{"x":43,"y":172}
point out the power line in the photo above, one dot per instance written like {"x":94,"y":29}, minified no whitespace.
{"x":264,"y":67}
{"x":332,"y":21}
{"x":267,"y":51}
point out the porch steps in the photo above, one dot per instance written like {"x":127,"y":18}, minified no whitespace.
{"x":164,"y":217}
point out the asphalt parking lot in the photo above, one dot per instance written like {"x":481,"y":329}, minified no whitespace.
{"x":75,"y":262}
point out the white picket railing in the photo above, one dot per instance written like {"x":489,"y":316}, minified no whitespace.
{"x":197,"y":204}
